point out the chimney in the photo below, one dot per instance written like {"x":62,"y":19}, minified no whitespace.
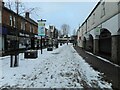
{"x":3,"y":4}
{"x":27,"y":15}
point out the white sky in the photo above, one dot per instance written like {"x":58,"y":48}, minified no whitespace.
{"x":58,"y":13}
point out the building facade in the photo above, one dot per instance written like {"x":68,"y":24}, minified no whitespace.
{"x":52,"y":34}
{"x":0,"y":28}
{"x":17,"y":29}
{"x":100,"y":32}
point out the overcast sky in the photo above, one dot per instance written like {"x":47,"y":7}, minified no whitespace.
{"x":58,"y":13}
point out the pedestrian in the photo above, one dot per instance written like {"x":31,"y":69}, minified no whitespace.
{"x":26,"y":46}
{"x":75,"y":43}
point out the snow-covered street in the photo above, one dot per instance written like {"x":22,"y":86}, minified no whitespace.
{"x":60,"y":68}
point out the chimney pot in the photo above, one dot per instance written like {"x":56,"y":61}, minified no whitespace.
{"x":3,"y":4}
{"x":27,"y":14}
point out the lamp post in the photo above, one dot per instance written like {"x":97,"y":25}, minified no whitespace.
{"x":41,"y":30}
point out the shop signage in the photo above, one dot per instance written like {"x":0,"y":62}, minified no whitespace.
{"x":41,"y":29}
{"x":21,"y":34}
{"x":97,"y":31}
{"x":26,"y":35}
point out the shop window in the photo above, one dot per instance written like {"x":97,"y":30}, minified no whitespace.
{"x":10,"y":20}
{"x":103,"y":9}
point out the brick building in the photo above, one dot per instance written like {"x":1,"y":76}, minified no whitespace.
{"x":15,"y":26}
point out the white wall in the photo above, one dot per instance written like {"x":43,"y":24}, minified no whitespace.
{"x":112,"y":25}
{"x":84,"y":28}
{"x":111,"y":9}
{"x":109,"y":21}
{"x":78,"y":35}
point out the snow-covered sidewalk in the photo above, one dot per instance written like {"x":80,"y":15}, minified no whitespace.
{"x":60,"y":68}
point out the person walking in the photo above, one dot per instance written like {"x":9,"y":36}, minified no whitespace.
{"x":26,"y":46}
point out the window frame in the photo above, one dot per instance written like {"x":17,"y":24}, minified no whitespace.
{"x":22,"y":25}
{"x":93,"y":18}
{"x":14,"y":20}
{"x":103,"y":9}
{"x":11,"y":20}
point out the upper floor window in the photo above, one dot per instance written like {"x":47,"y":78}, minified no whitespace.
{"x":93,"y":18}
{"x":22,"y":25}
{"x":103,"y":9}
{"x":88,"y":22}
{"x":10,"y":20}
{"x":0,"y":17}
{"x":31,"y":28}
{"x":14,"y":19}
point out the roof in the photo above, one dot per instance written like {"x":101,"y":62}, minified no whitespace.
{"x":27,"y":19}
{"x":91,"y":13}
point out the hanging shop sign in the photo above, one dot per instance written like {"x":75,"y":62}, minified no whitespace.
{"x":41,"y":29}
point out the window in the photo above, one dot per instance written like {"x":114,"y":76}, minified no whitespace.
{"x":103,"y":9}
{"x":30,"y":28}
{"x":88,"y":22}
{"x":0,"y":17}
{"x":51,"y":27}
{"x":119,"y":6}
{"x":94,"y":18}
{"x":22,"y":25}
{"x":118,"y":2}
{"x":10,"y":20}
{"x":119,"y":31}
{"x":14,"y":19}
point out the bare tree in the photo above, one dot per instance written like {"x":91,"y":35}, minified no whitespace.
{"x":65,"y":28}
{"x":74,"y":32}
{"x":18,"y":7}
{"x":59,"y":33}
{"x":12,"y":5}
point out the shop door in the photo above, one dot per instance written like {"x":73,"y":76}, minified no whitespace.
{"x":105,"y":42}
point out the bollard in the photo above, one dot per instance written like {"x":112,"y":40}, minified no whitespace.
{"x":11,"y":60}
